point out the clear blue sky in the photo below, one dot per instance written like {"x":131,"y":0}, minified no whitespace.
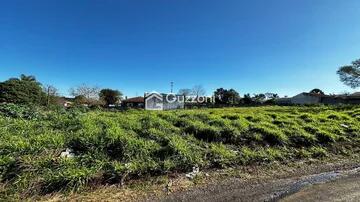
{"x":283,"y":46}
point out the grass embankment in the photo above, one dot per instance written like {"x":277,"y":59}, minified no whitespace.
{"x":111,"y":147}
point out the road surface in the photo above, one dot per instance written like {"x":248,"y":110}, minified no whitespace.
{"x":328,"y":186}
{"x":343,"y":189}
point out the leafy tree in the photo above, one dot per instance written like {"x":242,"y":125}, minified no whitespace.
{"x":350,"y":74}
{"x":51,"y":94}
{"x":224,"y":96}
{"x":220,"y":96}
{"x":317,"y":91}
{"x":30,"y":78}
{"x":247,"y":99}
{"x":80,"y":100}
{"x":259,"y":97}
{"x":110,"y":96}
{"x":271,"y":96}
{"x":23,"y":90}
{"x":185,"y":92}
{"x":232,"y":96}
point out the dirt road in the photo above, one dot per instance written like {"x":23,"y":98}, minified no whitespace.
{"x":343,"y":189}
{"x":329,"y":180}
{"x":341,"y":185}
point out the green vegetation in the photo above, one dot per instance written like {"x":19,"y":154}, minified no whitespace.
{"x":110,"y":96}
{"x":350,"y":74}
{"x":23,"y":90}
{"x":113,"y":147}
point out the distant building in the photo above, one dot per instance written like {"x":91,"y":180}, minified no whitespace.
{"x":135,"y":102}
{"x":357,"y":94}
{"x":333,"y":99}
{"x":154,"y":101}
{"x":313,"y":98}
{"x":65,"y":101}
{"x":283,"y":101}
{"x":306,"y":98}
{"x":162,"y":101}
{"x":353,"y":98}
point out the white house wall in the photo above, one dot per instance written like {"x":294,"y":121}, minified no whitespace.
{"x":305,"y":99}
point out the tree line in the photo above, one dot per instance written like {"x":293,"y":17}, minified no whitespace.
{"x":27,"y":90}
{"x":230,"y":97}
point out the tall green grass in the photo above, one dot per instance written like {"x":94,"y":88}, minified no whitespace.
{"x":112,"y":147}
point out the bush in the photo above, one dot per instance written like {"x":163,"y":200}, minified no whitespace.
{"x":220,"y":156}
{"x":19,"y":111}
{"x":271,"y":134}
{"x":68,"y":177}
{"x":250,"y":156}
{"x":318,"y":152}
{"x":325,"y":137}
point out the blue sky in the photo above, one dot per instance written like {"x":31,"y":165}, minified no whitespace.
{"x":282,"y":46}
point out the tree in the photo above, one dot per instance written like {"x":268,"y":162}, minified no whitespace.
{"x":350,"y":74}
{"x":109,"y":96}
{"x":247,"y":99}
{"x":317,"y":91}
{"x":271,"y":96}
{"x":80,"y":100}
{"x":220,"y":96}
{"x":198,"y":91}
{"x":30,"y":78}
{"x":185,"y":92}
{"x":90,"y":93}
{"x":232,"y":96}
{"x":23,"y":90}
{"x":224,"y":96}
{"x":51,"y":94}
{"x":259,"y":97}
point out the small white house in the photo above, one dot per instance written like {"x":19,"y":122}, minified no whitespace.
{"x":153,"y":101}
{"x":306,"y":98}
{"x":162,"y":101}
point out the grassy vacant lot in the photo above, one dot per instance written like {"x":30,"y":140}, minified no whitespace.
{"x":113,"y":147}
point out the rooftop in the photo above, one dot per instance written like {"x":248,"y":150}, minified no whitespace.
{"x":134,"y":99}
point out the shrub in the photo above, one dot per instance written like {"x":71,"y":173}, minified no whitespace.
{"x":9,"y":168}
{"x":231,"y":116}
{"x":307,"y":118}
{"x":333,"y":116}
{"x":68,"y":177}
{"x":299,"y":137}
{"x":318,"y":152}
{"x":250,"y":156}
{"x":20,"y":111}
{"x":184,"y":154}
{"x":325,"y":137}
{"x":271,"y":134}
{"x":208,"y":133}
{"x":275,"y":154}
{"x":241,"y":124}
{"x":202,"y":131}
{"x":302,"y":139}
{"x":220,"y":156}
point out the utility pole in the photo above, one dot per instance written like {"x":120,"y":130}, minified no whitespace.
{"x":172,"y":86}
{"x":48,"y":96}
